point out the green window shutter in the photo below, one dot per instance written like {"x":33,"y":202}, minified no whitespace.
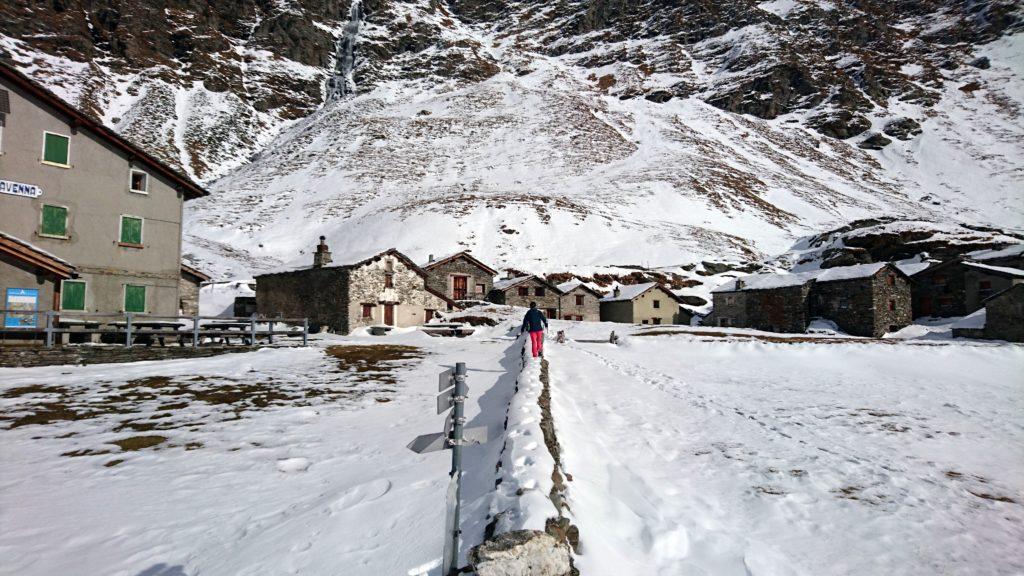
{"x":72,"y":296}
{"x":134,"y":298}
{"x":55,"y":148}
{"x":131,"y":230}
{"x":55,"y":221}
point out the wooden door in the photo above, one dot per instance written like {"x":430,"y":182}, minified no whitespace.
{"x":389,"y":314}
{"x":460,"y":286}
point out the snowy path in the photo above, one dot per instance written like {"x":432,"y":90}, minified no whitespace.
{"x":291,"y":487}
{"x":693,"y":457}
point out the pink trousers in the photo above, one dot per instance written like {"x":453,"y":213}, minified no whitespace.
{"x":537,"y":341}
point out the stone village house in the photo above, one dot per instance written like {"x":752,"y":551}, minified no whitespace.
{"x":188,"y":289}
{"x":73,"y":189}
{"x":649,"y":303}
{"x":863,"y":300}
{"x":958,"y":287}
{"x":579,"y":302}
{"x":385,"y":289}
{"x":521,"y":290}
{"x":1002,"y":318}
{"x":460,"y":276}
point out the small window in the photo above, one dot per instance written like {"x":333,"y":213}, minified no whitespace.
{"x":131,"y":230}
{"x":656,"y":320}
{"x":892,"y":279}
{"x":72,"y":295}
{"x":939,"y":280}
{"x":657,"y":303}
{"x":551,"y":313}
{"x":538,"y":291}
{"x":723,"y":322}
{"x":480,"y":288}
{"x":892,"y":305}
{"x":55,"y":149}
{"x":428,"y":315}
{"x":524,"y":291}
{"x":389,"y":265}
{"x":367,"y":311}
{"x":643,"y":321}
{"x":893,"y":328}
{"x":139,"y":182}
{"x":567,"y":317}
{"x":389,"y":280}
{"x":55,"y":221}
{"x":579,"y":300}
{"x":578,"y":318}
{"x":134,"y":298}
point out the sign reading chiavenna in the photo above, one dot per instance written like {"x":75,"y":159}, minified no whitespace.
{"x":19,"y":189}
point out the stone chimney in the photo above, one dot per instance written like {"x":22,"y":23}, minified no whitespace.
{"x":739,"y":284}
{"x":430,"y":259}
{"x":322,"y":257}
{"x":616,"y":292}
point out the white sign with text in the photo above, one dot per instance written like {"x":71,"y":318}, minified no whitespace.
{"x":19,"y":189}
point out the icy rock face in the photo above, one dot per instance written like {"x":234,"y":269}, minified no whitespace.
{"x":521,"y":553}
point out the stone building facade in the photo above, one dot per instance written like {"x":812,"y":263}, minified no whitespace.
{"x":959,"y":287}
{"x":385,"y":289}
{"x":188,"y":290}
{"x":522,"y":290}
{"x":649,"y":303}
{"x":460,"y":277}
{"x":1004,"y":315}
{"x":863,"y":300}
{"x":579,"y":302}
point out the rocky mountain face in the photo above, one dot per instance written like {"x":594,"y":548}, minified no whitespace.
{"x":664,"y":133}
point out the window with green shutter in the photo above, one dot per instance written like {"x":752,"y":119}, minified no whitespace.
{"x":55,"y":221}
{"x":131,"y":230}
{"x":72,"y":295}
{"x":134,"y":298}
{"x":55,"y":148}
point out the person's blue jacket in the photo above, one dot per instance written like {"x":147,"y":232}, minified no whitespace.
{"x":534,"y":321}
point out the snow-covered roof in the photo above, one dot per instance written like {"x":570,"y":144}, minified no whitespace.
{"x":911,"y":268}
{"x":974,"y":320}
{"x":570,"y":285}
{"x":507,"y":283}
{"x":1016,"y":272}
{"x":849,"y":272}
{"x":770,"y":281}
{"x":1016,"y":250}
{"x":767,"y":281}
{"x":629,"y":292}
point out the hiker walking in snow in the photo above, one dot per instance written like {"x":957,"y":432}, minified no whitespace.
{"x":534,"y":322}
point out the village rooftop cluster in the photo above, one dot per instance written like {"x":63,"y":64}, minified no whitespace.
{"x":90,"y":223}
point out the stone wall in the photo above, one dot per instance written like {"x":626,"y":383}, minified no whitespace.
{"x":869,"y":306}
{"x":1004,"y":316}
{"x":777,"y":310}
{"x":317,"y":293}
{"x":590,"y":311}
{"x":944,"y":287}
{"x":730,"y":309}
{"x":441,"y":279}
{"x":974,"y":294}
{"x":188,"y":296}
{"x":892,"y":301}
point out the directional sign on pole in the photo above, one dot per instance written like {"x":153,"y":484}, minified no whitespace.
{"x":445,"y":401}
{"x":429,"y":443}
{"x":445,"y":380}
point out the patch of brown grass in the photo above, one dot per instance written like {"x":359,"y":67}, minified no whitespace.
{"x":133,"y":443}
{"x":374,"y":362}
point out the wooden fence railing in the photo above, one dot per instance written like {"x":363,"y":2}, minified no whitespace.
{"x":130,"y":328}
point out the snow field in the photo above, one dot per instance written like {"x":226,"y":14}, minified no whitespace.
{"x":725,"y":457}
{"x":296,"y":487}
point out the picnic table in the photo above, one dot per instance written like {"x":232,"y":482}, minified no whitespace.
{"x":149,"y":328}
{"x":226,"y":330}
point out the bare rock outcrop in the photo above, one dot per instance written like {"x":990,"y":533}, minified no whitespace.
{"x":521,"y":553}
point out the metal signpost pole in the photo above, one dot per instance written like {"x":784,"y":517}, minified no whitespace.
{"x":451,"y":559}
{"x":128,"y":329}
{"x":195,"y":331}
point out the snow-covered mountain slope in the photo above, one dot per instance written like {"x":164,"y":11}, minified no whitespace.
{"x":544,"y":171}
{"x":563,"y":136}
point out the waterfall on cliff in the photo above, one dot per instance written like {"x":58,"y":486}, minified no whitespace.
{"x":341,"y":82}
